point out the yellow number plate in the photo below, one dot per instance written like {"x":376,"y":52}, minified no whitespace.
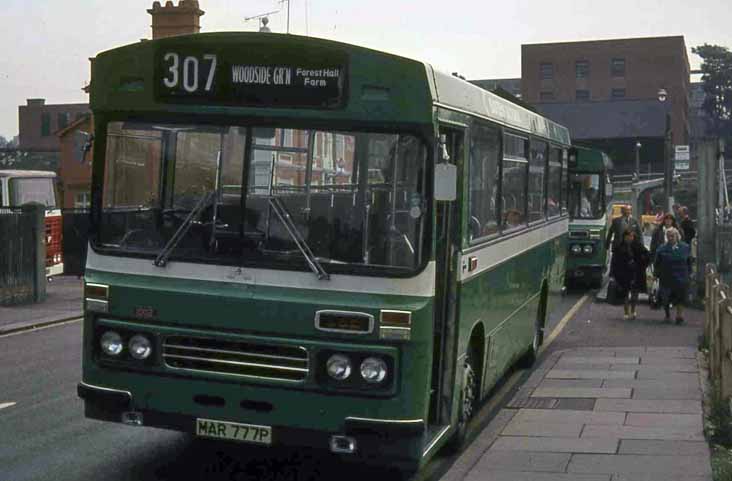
{"x":247,"y":433}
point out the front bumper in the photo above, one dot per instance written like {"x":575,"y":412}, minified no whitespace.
{"x":399,"y":442}
{"x":586,"y":272}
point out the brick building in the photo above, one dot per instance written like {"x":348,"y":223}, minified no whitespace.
{"x":607,"y":93}
{"x":38,"y":123}
{"x":75,"y":167}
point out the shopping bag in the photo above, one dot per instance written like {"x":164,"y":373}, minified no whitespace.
{"x":653,"y":295}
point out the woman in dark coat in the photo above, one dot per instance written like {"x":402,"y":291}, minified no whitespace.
{"x":672,"y":267}
{"x":628,"y":268}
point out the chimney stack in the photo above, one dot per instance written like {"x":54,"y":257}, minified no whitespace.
{"x":172,"y":20}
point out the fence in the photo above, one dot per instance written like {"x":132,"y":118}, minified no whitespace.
{"x":75,"y":240}
{"x":22,"y":255}
{"x":718,"y":330}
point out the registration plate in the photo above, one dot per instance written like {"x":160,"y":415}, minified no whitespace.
{"x":248,"y":433}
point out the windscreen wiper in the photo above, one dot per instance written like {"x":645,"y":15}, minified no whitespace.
{"x":286,"y":220}
{"x":164,"y":254}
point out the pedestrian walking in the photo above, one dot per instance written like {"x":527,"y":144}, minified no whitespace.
{"x":619,"y":226}
{"x":687,"y":225}
{"x":672,"y":266}
{"x":628,"y":268}
{"x":659,"y":235}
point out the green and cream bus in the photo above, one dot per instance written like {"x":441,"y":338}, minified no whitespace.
{"x":302,"y":242}
{"x":589,"y":193}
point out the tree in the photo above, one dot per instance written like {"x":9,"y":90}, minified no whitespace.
{"x":717,"y":78}
{"x":3,"y":142}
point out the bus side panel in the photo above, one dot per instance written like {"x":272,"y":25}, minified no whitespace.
{"x":505,"y":300}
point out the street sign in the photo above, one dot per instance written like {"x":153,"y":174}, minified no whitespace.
{"x":682,"y":155}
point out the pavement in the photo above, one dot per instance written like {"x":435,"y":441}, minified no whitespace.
{"x":63,"y":302}
{"x":610,"y":412}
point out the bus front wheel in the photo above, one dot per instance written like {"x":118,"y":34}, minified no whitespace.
{"x":468,"y":401}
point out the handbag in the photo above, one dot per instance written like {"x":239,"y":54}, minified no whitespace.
{"x":654,"y":300}
{"x":612,"y":294}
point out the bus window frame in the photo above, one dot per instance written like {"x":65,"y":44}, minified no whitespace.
{"x":562,"y":193}
{"x":525,"y":224}
{"x":544,"y":216}
{"x":499,"y":187}
{"x":423,"y":132}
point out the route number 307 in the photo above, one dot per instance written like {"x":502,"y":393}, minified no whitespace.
{"x":188,"y":72}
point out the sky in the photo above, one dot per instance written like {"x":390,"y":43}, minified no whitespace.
{"x":47,"y":44}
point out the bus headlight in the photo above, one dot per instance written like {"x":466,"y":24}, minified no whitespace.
{"x":140,"y":347}
{"x":587,"y":249}
{"x":373,"y":370}
{"x":576,"y":249}
{"x":338,"y":367}
{"x":111,"y":343}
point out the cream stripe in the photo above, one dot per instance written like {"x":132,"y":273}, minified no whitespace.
{"x":422,"y":285}
{"x":504,"y":249}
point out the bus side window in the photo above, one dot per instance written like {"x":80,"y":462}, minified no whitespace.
{"x":483,"y":192}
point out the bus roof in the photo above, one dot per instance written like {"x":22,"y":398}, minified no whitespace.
{"x":381,"y":89}
{"x":27,"y":173}
{"x":586,"y":159}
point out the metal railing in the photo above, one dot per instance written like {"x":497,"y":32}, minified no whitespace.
{"x":718,"y":330}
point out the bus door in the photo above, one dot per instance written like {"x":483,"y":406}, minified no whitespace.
{"x":451,"y":150}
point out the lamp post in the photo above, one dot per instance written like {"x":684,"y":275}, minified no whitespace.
{"x":638,"y":146}
{"x":668,"y":167}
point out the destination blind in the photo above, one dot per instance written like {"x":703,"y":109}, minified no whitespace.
{"x":211,"y":78}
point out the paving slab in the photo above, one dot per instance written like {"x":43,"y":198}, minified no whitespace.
{"x":667,"y":375}
{"x":557,"y":445}
{"x":664,"y":448}
{"x":691,"y":421}
{"x":631,"y":463}
{"x":668,"y":363}
{"x":550,"y":383}
{"x":522,"y":461}
{"x":589,"y":374}
{"x":681,"y":383}
{"x":665,"y":393}
{"x":602,"y":359}
{"x":649,"y":406}
{"x":559,"y":416}
{"x":656,"y":477}
{"x":637,"y":432}
{"x":524,"y":476}
{"x":585,"y":365}
{"x":543,"y":429}
{"x":587,"y":392}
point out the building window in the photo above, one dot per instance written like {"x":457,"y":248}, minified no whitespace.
{"x":617,"y":93}
{"x":546,"y":71}
{"x":582,"y":69}
{"x":45,"y":124}
{"x":62,"y":120}
{"x":81,"y":200}
{"x":582,"y":95}
{"x":617,"y":67}
{"x":545,"y":96}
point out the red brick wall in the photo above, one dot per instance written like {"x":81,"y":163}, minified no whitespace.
{"x":650,"y":64}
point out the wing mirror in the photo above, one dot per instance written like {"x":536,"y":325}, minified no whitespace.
{"x":445,"y":188}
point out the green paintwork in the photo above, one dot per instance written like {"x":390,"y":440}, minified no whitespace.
{"x":503,"y":301}
{"x":588,"y":160}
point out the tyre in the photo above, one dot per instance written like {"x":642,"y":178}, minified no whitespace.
{"x":468,"y":401}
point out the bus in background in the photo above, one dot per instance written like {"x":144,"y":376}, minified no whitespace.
{"x":302,"y":242}
{"x":589,"y":191}
{"x":18,"y":187}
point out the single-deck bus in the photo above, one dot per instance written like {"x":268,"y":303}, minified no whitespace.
{"x":589,"y":191}
{"x":302,"y":242}
{"x":18,"y":187}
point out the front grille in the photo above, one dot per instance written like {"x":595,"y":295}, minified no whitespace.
{"x":579,"y":234}
{"x":236,"y":358}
